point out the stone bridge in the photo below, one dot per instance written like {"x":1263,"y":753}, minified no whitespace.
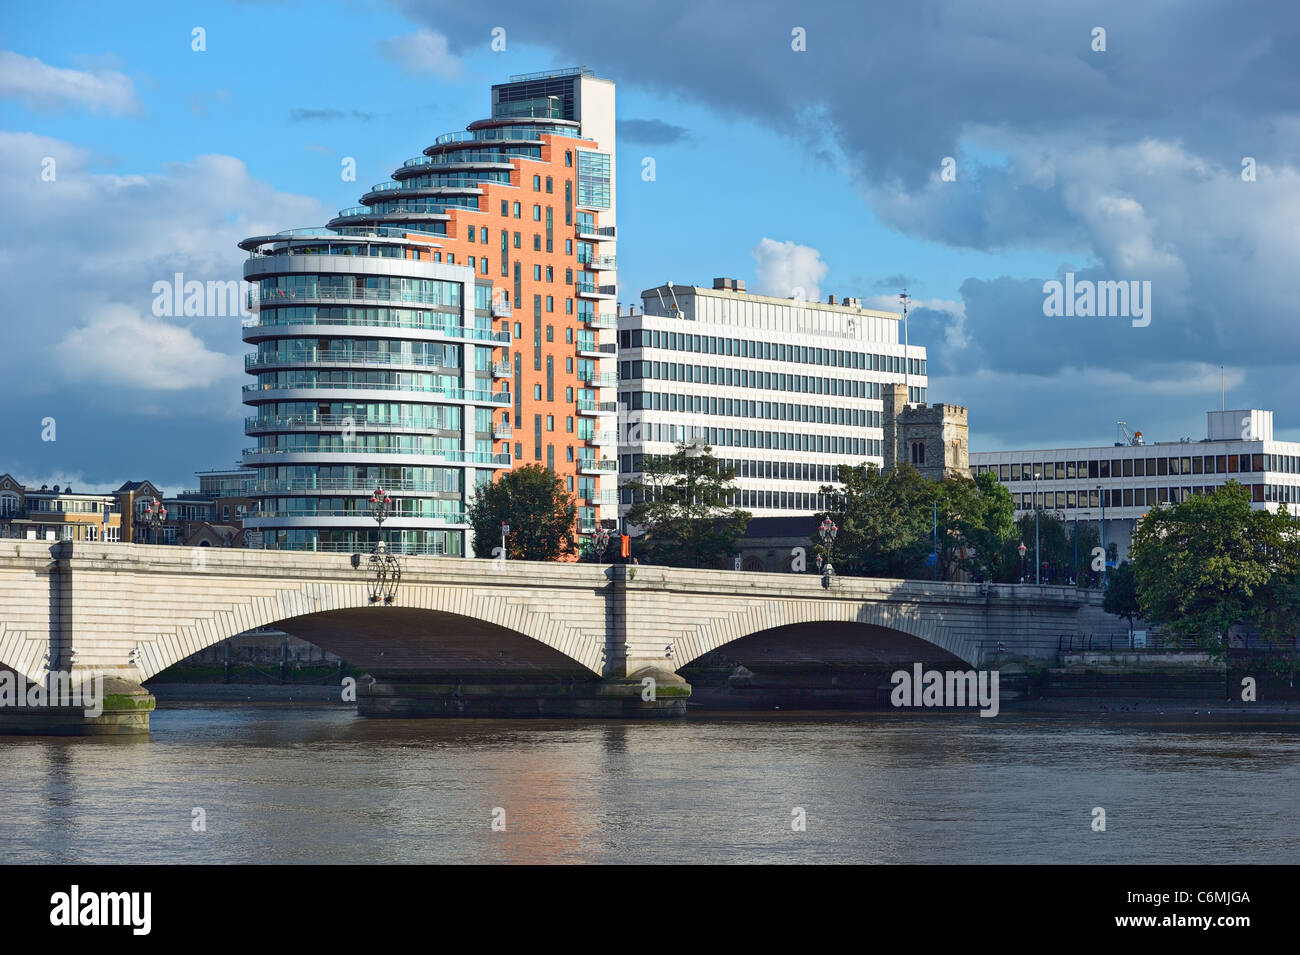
{"x":482,"y":637}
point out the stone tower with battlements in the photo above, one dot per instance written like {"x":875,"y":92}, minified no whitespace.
{"x":933,"y":438}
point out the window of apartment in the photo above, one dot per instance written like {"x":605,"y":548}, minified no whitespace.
{"x":568,"y":160}
{"x":568,"y":365}
{"x":537,"y":183}
{"x":548,"y":183}
{"x":517,"y":245}
{"x":451,"y":258}
{"x":568,"y":422}
{"x":568,"y":397}
{"x":505,"y":207}
{"x":537,"y":213}
{"x":568,"y":276}
{"x":483,"y":266}
{"x":550,"y":301}
{"x":550,"y":274}
{"x":568,"y":453}
{"x":550,"y":422}
{"x":568,"y":306}
{"x":518,"y":210}
{"x":537,"y":273}
{"x":568,"y":247}
{"x":537,"y":242}
{"x":550,"y":333}
{"x":537,"y":392}
{"x":568,"y":335}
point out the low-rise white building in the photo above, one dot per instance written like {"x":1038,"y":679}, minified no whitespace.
{"x":1129,"y":478}
{"x":785,"y":390}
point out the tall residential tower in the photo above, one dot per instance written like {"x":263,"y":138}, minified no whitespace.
{"x":444,"y":329}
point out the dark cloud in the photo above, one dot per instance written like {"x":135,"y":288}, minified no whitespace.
{"x":650,"y":132}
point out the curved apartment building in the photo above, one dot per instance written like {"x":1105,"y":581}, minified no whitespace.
{"x":448,"y":326}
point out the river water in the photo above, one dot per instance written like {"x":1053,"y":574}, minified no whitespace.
{"x":297,"y":783}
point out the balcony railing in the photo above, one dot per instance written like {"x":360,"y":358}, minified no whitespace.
{"x":587,"y":346}
{"x":448,"y":394}
{"x":587,"y":288}
{"x":597,"y":464}
{"x":594,"y":261}
{"x":456,"y":455}
{"x":503,"y":431}
{"x":501,"y":308}
{"x":586,"y":406}
{"x":588,"y":230}
{"x":502,"y":369}
{"x":600,"y":379}
{"x":346,"y":484}
{"x":451,"y":331}
{"x":600,"y":321}
{"x":332,"y":547}
{"x":274,"y":296}
{"x":318,"y":359}
{"x":448,"y":517}
{"x":524,"y":132}
{"x":334,"y":422}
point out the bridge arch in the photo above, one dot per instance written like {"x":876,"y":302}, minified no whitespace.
{"x":433,"y":629}
{"x":885,"y":629}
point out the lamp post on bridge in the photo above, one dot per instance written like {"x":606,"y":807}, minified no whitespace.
{"x":383,"y":565}
{"x":155,"y":515}
{"x":1038,"y":561}
{"x":827,"y":532}
{"x":599,"y":541}
{"x":1023,"y":573}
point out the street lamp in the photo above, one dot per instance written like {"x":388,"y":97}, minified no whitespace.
{"x":1022,"y":549}
{"x":827,"y":532}
{"x":599,"y":541}
{"x":1038,"y":561}
{"x":155,"y":515}
{"x":383,"y":565}
{"x":1102,"y":491}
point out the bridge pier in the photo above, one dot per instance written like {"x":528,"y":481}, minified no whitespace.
{"x":626,"y":698}
{"x":87,"y":704}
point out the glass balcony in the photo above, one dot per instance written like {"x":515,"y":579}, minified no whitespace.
{"x":600,"y":321}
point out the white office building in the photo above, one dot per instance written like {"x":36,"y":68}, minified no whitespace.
{"x":1130,"y":477}
{"x":787,"y":391}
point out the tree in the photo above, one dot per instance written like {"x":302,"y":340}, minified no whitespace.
{"x":883,"y":520}
{"x":975,"y":519}
{"x":534,"y":502}
{"x":680,"y":505}
{"x":1121,"y":598}
{"x":1212,"y":562}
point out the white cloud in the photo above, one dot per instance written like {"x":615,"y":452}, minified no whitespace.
{"x":41,"y":86}
{"x":122,"y":348}
{"x":788,"y":270}
{"x":423,"y":52}
{"x":186,"y":218}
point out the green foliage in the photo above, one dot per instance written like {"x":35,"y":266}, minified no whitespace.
{"x":680,"y":504}
{"x":1121,"y":598}
{"x":883,"y":519}
{"x":1212,"y":562}
{"x":975,"y":518}
{"x":541,"y":513}
{"x":887,"y":523}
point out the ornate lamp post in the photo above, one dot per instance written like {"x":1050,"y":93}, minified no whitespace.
{"x":827,"y":532}
{"x":1022,"y":550}
{"x":155,"y":515}
{"x":1038,"y":562}
{"x":383,"y":565}
{"x":599,"y":541}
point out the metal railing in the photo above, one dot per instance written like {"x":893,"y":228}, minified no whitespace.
{"x":460,"y":456}
{"x":451,"y":331}
{"x":448,"y":394}
{"x":320,"y":359}
{"x":275,"y":296}
{"x":315,"y":422}
{"x":363,"y":514}
{"x":331,"y":547}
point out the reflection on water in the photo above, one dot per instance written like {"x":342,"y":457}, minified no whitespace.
{"x":299,"y":784}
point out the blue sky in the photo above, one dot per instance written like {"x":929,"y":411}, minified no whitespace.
{"x":818,"y":167}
